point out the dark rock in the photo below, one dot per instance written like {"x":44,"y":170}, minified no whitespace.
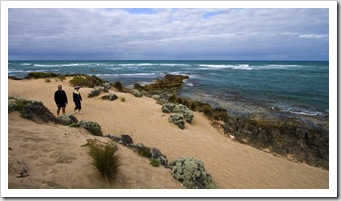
{"x":305,"y":144}
{"x":126,"y":140}
{"x":169,"y":81}
{"x":156,"y":154}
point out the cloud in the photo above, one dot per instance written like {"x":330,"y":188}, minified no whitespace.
{"x":168,"y":33}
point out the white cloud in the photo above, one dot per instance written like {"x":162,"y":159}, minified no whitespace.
{"x":162,"y":33}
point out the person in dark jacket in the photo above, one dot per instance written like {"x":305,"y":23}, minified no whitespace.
{"x":61,"y":99}
{"x":77,"y":98}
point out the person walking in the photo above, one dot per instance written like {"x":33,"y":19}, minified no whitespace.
{"x":61,"y":99}
{"x":77,"y":98}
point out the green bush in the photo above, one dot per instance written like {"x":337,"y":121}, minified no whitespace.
{"x":37,"y":75}
{"x":155,"y":162}
{"x":191,"y":173}
{"x":207,"y":110}
{"x":118,"y":85}
{"x":93,"y":127}
{"x":81,"y":81}
{"x":194,"y":106}
{"x":172,"y":98}
{"x":186,"y":102}
{"x":144,"y":151}
{"x":105,"y":159}
{"x":179,"y":100}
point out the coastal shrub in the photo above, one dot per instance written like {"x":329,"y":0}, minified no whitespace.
{"x":93,"y":127}
{"x":156,"y":97}
{"x":179,"y":100}
{"x":143,"y":151}
{"x":110,"y":97}
{"x":31,"y":109}
{"x":177,"y":119}
{"x":136,"y":93}
{"x":119,"y":86}
{"x":37,"y":75}
{"x":123,"y":99}
{"x":186,"y":102}
{"x":155,"y":162}
{"x":11,"y":105}
{"x":161,"y":101}
{"x":157,"y":155}
{"x":194,"y":106}
{"x":96,"y":81}
{"x":207,"y":110}
{"x":105,"y":87}
{"x":191,"y":172}
{"x":105,"y":159}
{"x":66,"y":119}
{"x":94,"y":92}
{"x":172,"y":98}
{"x":81,"y":81}
{"x":178,"y":109}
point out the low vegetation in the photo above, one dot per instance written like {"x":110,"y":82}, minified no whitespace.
{"x":105,"y":159}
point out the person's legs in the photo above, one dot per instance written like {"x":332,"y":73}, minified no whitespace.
{"x":79,"y":107}
{"x":63,"y":109}
{"x":58,"y":110}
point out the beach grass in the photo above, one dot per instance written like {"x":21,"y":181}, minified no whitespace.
{"x":105,"y":159}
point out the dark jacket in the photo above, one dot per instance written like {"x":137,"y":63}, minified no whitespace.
{"x":76,"y":97}
{"x":60,"y":97}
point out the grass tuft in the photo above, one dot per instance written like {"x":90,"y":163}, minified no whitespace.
{"x":105,"y":159}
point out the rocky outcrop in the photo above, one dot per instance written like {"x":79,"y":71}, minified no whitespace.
{"x":169,"y":81}
{"x":304,"y":144}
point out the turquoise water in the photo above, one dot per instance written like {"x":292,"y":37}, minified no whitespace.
{"x":288,"y":87}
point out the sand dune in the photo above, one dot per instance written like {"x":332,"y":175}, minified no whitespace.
{"x":232,"y":165}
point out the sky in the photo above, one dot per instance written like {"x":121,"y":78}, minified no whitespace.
{"x":168,"y":34}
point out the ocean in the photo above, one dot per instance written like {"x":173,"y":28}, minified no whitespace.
{"x":269,"y":89}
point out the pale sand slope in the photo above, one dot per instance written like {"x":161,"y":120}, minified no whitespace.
{"x":231,"y":164}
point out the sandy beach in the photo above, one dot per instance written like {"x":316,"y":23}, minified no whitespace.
{"x":55,"y":157}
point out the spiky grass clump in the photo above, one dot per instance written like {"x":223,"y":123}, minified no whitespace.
{"x":207,"y":110}
{"x":194,"y":106}
{"x":155,"y":162}
{"x":172,"y":98}
{"x":118,"y":85}
{"x":105,"y":159}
